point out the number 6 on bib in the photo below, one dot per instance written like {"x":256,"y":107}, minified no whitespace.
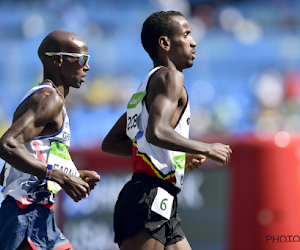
{"x":162,"y":203}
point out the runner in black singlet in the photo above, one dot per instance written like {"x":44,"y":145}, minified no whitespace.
{"x":154,"y":131}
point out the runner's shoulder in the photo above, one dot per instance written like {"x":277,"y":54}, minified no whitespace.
{"x":48,"y":97}
{"x":169,"y":75}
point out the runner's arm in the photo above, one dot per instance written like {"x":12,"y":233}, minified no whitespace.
{"x":117,"y":142}
{"x":44,"y":106}
{"x":159,"y":130}
{"x":42,"y":109}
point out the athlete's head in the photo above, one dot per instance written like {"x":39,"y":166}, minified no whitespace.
{"x":65,"y":57}
{"x":166,"y":36}
{"x":156,"y":25}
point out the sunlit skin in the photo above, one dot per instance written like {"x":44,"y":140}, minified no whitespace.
{"x":166,"y":98}
{"x":68,"y":74}
{"x":42,"y":114}
{"x":182,"y":50}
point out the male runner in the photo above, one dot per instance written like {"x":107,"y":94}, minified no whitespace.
{"x":155,"y":131}
{"x":35,"y":149}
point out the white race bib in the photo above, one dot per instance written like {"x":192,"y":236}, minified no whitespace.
{"x":59,"y":157}
{"x":134,"y":109}
{"x":162,"y":203}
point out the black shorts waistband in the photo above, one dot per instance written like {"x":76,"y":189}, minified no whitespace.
{"x":160,"y":182}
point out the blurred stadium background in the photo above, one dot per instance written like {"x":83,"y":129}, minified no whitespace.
{"x":245,"y":79}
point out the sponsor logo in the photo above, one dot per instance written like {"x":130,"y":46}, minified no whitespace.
{"x":66,"y":136}
{"x":180,"y":162}
{"x":188,"y":121}
{"x":62,"y":151}
{"x":136,"y":100}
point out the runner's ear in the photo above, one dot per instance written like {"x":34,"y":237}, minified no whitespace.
{"x":57,"y":60}
{"x":164,"y":43}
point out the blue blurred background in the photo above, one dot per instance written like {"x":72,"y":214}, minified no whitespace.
{"x":245,"y":77}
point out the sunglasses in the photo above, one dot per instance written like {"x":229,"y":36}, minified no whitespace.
{"x":82,"y":58}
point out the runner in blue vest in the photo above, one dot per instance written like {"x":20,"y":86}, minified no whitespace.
{"x":35,"y":150}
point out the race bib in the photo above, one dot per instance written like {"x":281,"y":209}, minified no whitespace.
{"x":59,"y":158}
{"x":179,"y":162}
{"x":134,"y":109}
{"x":162,"y":203}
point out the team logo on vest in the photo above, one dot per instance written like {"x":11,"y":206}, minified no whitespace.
{"x":62,"y":151}
{"x":188,"y":121}
{"x":66,"y":136}
{"x":135,"y":99}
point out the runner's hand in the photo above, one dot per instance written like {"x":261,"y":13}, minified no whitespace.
{"x":90,"y":177}
{"x":193,"y":161}
{"x":75,"y":187}
{"x":219,"y":152}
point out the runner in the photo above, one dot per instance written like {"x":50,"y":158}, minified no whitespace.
{"x":155,"y":131}
{"x":35,"y":148}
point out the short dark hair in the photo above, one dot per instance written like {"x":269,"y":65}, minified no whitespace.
{"x":156,"y":25}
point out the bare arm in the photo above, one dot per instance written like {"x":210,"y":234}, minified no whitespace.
{"x":117,"y":142}
{"x":42,"y":110}
{"x":168,"y":91}
{"x":44,"y":106}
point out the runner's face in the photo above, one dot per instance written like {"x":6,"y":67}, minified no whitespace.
{"x":73,"y":73}
{"x":182,"y":44}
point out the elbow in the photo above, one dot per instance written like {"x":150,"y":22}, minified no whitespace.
{"x":104,"y":146}
{"x":5,"y":148}
{"x":2,"y":147}
{"x":153,"y":136}
{"x":108,"y":144}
